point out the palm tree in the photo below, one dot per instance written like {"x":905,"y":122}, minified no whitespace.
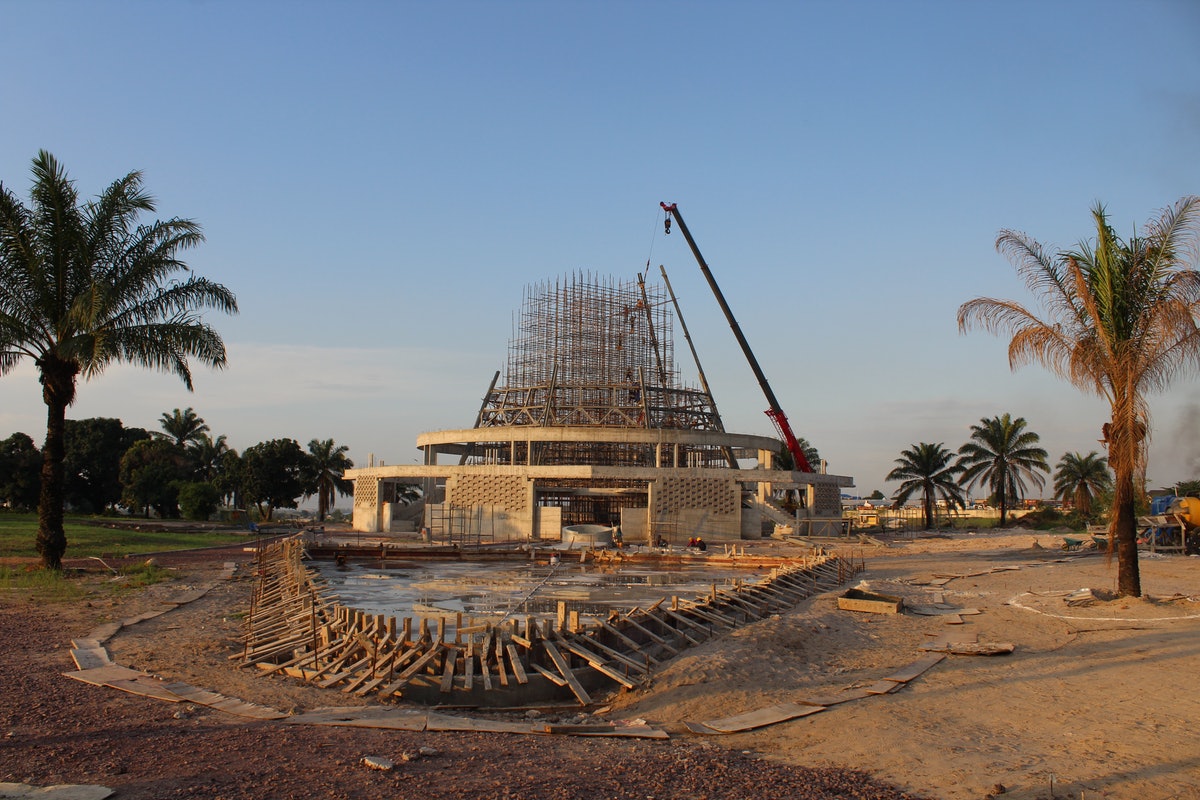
{"x":83,"y":286}
{"x":328,"y":464}
{"x":181,"y":427}
{"x":208,"y":454}
{"x":1079,"y":479}
{"x":926,"y":468}
{"x":1002,"y":455}
{"x":1118,"y":320}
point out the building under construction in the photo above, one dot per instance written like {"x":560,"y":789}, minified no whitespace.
{"x":590,"y":423}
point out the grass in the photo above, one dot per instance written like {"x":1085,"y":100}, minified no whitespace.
{"x":18,"y":533}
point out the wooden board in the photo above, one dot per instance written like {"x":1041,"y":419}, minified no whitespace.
{"x":883,"y":687}
{"x":628,"y":731}
{"x":771,"y":715}
{"x":146,"y":686}
{"x":102,"y":675}
{"x":446,"y":722}
{"x":916,"y":668}
{"x":364,"y":717}
{"x":869,"y":602}
{"x":836,"y":699}
{"x":974,"y":649}
{"x":90,"y":658}
{"x":700,"y":729}
{"x":105,"y":632}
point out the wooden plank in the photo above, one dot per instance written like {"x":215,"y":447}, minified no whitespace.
{"x":599,"y":664}
{"x":411,"y":672}
{"x":448,"y":673}
{"x":762,"y":717}
{"x":241,"y":708}
{"x":364,"y":717}
{"x":591,"y":645}
{"x":701,"y":729}
{"x":915,"y":669}
{"x":836,"y":699}
{"x":548,"y":675}
{"x":884,"y":687}
{"x":517,"y":666}
{"x":974,"y":649}
{"x":447,"y":722}
{"x":191,"y":694}
{"x":564,"y":669}
{"x":146,"y":686}
{"x":102,"y":675}
{"x":90,"y":658}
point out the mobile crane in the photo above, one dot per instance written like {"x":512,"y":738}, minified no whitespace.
{"x":775,"y":412}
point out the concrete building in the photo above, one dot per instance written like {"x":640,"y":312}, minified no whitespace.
{"x":593,"y":425}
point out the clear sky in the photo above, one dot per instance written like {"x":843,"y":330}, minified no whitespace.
{"x":378,"y":181}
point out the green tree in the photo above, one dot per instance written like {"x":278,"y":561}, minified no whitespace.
{"x":229,"y":478}
{"x":1002,"y":455}
{"x":19,"y":470}
{"x":1081,"y":479}
{"x":876,"y":495}
{"x":1188,"y":488}
{"x":151,"y":473}
{"x":92,"y":451}
{"x":273,"y":475}
{"x":1118,"y":319}
{"x":927,"y":468}
{"x":181,"y":427}
{"x":84,"y":286}
{"x":327,"y":464}
{"x":198,"y":499}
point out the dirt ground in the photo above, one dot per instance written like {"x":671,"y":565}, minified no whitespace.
{"x":1096,"y":700}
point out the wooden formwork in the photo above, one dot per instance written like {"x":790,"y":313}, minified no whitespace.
{"x":296,"y":627}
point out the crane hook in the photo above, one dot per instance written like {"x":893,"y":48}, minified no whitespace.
{"x":667,"y":225}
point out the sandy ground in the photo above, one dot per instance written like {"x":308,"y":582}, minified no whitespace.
{"x":1097,"y":700}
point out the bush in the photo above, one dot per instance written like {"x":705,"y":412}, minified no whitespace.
{"x":198,"y":501}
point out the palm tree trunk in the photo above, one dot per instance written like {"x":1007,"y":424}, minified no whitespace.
{"x":58,"y":390}
{"x":928,"y":511}
{"x":1124,"y":530}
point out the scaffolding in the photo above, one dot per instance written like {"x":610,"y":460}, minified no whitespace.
{"x":595,"y":352}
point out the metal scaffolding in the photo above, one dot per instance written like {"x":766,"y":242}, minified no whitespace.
{"x":590,"y":351}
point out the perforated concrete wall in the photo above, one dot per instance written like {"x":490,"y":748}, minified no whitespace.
{"x":510,"y":492}
{"x":715,"y":496}
{"x":827,"y":501}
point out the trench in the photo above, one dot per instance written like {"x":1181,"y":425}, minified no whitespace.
{"x":503,"y":632}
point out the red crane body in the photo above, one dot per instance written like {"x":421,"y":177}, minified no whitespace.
{"x":774,"y":412}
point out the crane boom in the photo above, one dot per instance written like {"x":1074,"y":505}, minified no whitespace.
{"x":775,"y":412}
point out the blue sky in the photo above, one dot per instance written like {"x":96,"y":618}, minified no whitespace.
{"x":378,"y":182}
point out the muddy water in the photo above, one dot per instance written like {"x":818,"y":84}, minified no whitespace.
{"x":488,"y":592}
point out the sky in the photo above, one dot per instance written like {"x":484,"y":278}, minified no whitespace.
{"x":379,"y":181}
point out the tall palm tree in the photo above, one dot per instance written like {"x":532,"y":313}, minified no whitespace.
{"x":1002,"y":455}
{"x":328,"y":464}
{"x":1079,"y":478}
{"x":181,"y":427}
{"x":83,"y":286}
{"x":926,"y":468}
{"x":208,"y":454}
{"x":1118,"y":319}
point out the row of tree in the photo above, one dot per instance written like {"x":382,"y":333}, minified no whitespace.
{"x":1003,"y":456}
{"x":180,"y":470}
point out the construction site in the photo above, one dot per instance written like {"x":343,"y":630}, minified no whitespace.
{"x":590,"y":423}
{"x":588,"y":447}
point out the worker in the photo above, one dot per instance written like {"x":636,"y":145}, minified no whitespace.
{"x":700,"y":545}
